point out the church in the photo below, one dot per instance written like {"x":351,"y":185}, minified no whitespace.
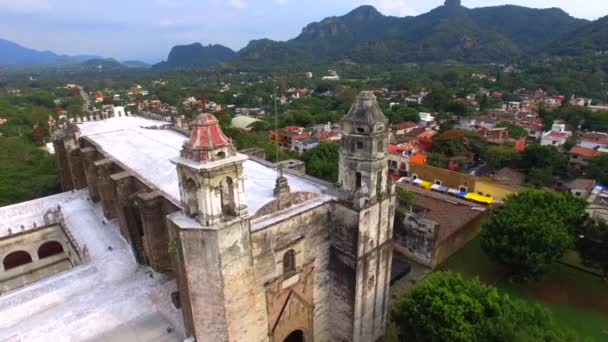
{"x":224,"y":246}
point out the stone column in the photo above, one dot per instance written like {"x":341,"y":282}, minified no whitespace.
{"x":61,"y":155}
{"x":105,"y":187}
{"x":77,"y":168}
{"x":89,"y":155}
{"x":156,"y":236}
{"x":122,"y":184}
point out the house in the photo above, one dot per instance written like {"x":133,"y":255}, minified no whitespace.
{"x":437,"y":226}
{"x":580,"y":156}
{"x":581,"y":187}
{"x":304,"y":144}
{"x":405,"y":127}
{"x":426,"y":119}
{"x":557,"y":136}
{"x":593,"y":140}
{"x":598,"y":203}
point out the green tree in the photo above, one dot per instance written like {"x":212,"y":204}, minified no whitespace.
{"x":322,"y":161}
{"x":592,"y":245}
{"x":445,"y":307}
{"x":516,"y":132}
{"x":532,"y":230}
{"x":26,"y":172}
{"x":437,"y":160}
{"x":546,"y":158}
{"x":448,"y":143}
{"x":500,"y":156}
{"x":598,"y":169}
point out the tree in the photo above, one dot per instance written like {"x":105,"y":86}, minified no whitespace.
{"x":598,"y":169}
{"x":437,"y":160}
{"x":532,"y":230}
{"x":500,"y":156}
{"x":445,"y":307}
{"x":448,"y":143}
{"x":322,"y":161}
{"x":549,"y":157}
{"x":592,"y":245}
{"x":516,"y":132}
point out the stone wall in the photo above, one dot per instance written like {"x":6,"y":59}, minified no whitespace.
{"x":30,"y":242}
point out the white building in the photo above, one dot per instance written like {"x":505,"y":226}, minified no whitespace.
{"x":557,"y":136}
{"x":426,"y":119}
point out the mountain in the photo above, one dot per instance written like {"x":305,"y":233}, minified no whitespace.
{"x":591,"y":38}
{"x":197,"y":55}
{"x":12,"y":53}
{"x":136,"y":64}
{"x":451,"y":31}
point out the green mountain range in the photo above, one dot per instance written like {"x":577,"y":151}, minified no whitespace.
{"x":449,"y":32}
{"x":591,"y":38}
{"x":197,"y":55}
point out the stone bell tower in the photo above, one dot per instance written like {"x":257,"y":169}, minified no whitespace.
{"x":363,"y":156}
{"x":210,"y":173}
{"x":210,"y":240}
{"x":366,"y":224}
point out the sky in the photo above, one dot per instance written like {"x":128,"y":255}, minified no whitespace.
{"x":147,"y":29}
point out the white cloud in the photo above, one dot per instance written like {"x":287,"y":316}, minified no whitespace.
{"x":282,"y":2}
{"x":24,"y":6}
{"x":390,"y":7}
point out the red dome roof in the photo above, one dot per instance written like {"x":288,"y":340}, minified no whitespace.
{"x":207,"y":134}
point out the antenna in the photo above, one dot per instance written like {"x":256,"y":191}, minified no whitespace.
{"x":276,"y":132}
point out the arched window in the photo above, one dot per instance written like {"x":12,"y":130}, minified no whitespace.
{"x":227,"y":193}
{"x":192,"y":201}
{"x":380,"y":146}
{"x":358,"y":180}
{"x":289,"y":261}
{"x":49,"y":248}
{"x":16,"y":259}
{"x":220,"y":155}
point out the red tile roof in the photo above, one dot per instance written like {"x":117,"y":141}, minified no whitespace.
{"x":584,"y":152}
{"x":405,"y":125}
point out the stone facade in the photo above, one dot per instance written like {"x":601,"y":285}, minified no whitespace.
{"x":302,"y":267}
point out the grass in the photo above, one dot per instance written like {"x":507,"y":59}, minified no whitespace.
{"x":579,"y":300}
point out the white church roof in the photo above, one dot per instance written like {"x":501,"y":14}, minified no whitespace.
{"x":107,"y":296}
{"x":148,"y":153}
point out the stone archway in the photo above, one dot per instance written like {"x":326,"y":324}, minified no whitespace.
{"x":295,"y":336}
{"x":295,"y":321}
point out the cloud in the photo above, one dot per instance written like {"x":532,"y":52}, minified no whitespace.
{"x":25,"y":6}
{"x":391,"y":7}
{"x":282,"y":2}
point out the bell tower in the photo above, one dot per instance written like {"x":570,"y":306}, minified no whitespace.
{"x":363,"y":156}
{"x":211,"y":240}
{"x":210,"y":173}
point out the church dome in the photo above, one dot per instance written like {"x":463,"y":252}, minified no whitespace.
{"x":207,"y":133}
{"x":207,"y":141}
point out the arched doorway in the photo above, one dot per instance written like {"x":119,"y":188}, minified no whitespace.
{"x":49,"y":249}
{"x":295,"y":336}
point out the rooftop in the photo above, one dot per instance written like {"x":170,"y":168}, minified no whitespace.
{"x":107,"y":295}
{"x":584,"y":152}
{"x":147,"y":153}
